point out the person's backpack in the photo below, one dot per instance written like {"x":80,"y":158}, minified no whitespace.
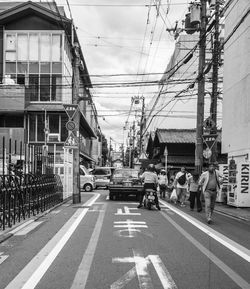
{"x":182,"y":179}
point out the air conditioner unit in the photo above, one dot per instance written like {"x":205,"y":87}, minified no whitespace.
{"x":53,"y":137}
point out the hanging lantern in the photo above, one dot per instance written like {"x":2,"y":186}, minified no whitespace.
{"x":195,"y":16}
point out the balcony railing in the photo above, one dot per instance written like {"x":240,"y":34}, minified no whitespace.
{"x":12,"y":98}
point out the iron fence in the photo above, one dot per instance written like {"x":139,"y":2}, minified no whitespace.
{"x":27,"y":183}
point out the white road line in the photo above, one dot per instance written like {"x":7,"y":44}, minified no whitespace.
{"x":164,"y":276}
{"x":3,"y":257}
{"x":220,"y":264}
{"x":124,"y":280}
{"x":92,"y":200}
{"x":56,"y":212}
{"x":82,"y":274}
{"x":222,"y":239}
{"x":32,"y":273}
{"x":28,"y":229}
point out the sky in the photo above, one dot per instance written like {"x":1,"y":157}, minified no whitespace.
{"x":124,"y":39}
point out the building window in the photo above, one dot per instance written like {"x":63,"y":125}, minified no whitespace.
{"x":64,"y":131}
{"x":22,"y":47}
{"x":40,"y":128}
{"x":56,"y":125}
{"x":34,"y":59}
{"x":45,"y":87}
{"x":45,"y":47}
{"x":32,"y":127}
{"x":33,"y":88}
{"x":33,"y":47}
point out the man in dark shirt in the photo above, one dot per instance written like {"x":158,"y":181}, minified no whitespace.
{"x":210,"y":182}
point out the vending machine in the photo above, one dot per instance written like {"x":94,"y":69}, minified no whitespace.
{"x":222,"y":195}
{"x":238,"y":194}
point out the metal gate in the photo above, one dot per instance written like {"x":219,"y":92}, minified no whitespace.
{"x":28,"y":185}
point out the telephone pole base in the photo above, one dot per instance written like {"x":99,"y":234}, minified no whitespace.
{"x":76,"y":198}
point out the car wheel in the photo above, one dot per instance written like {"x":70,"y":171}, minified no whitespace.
{"x":88,"y":187}
{"x":111,"y":197}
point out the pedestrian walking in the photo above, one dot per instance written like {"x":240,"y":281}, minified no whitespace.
{"x":163,"y":182}
{"x":181,"y":185}
{"x":210,"y":182}
{"x":194,"y":192}
{"x":170,"y":187}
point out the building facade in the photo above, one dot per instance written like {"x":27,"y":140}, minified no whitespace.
{"x":175,"y":148}
{"x":37,"y":59}
{"x":236,"y":102}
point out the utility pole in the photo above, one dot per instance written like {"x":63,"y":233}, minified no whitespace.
{"x":76,"y":151}
{"x":130,"y":147}
{"x":110,"y":151}
{"x":214,"y":96}
{"x":201,"y":91}
{"x":141,"y":125}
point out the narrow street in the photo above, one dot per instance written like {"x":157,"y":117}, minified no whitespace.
{"x":111,"y":244}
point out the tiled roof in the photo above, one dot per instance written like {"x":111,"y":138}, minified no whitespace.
{"x":49,"y":5}
{"x":179,"y":135}
{"x":176,"y":135}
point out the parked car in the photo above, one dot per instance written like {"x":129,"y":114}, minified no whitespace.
{"x":87,"y":180}
{"x":125,"y":182}
{"x":102,"y":176}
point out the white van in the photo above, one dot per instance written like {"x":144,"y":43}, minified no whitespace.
{"x":102,"y":176}
{"x":87,"y":180}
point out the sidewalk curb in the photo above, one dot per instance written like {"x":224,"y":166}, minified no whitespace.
{"x":7,"y":235}
{"x":228,"y":214}
{"x":231,"y":215}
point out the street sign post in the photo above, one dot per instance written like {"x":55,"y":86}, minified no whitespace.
{"x":207,"y":153}
{"x":71,"y":141}
{"x":71,"y":110}
{"x":210,"y":140}
{"x":71,"y":125}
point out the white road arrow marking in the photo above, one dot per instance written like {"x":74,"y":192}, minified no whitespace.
{"x":140,"y":270}
{"x":3,"y":257}
{"x":141,"y":266}
{"x":164,"y":276}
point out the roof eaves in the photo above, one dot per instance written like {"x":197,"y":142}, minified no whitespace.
{"x":35,"y":6}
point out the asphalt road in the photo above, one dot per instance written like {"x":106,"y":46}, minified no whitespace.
{"x":111,"y":244}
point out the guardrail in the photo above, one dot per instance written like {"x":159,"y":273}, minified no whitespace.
{"x":26,"y":195}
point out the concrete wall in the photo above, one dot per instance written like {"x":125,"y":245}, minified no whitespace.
{"x":236,"y":100}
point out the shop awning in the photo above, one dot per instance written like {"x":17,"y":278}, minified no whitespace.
{"x":86,"y":157}
{"x":85,"y":129}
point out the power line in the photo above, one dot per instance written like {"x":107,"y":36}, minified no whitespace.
{"x":121,"y":5}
